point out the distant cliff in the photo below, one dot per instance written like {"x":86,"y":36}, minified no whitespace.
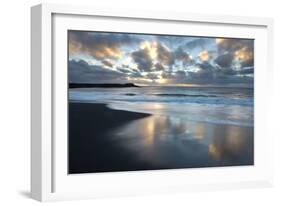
{"x":88,"y":85}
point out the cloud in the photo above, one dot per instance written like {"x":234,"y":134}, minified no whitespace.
{"x":159,"y":59}
{"x":176,"y":77}
{"x":107,"y":63}
{"x":151,"y":48}
{"x":241,"y":50}
{"x":245,"y":55}
{"x":124,"y":70}
{"x":234,"y":79}
{"x":151,"y":52}
{"x":200,"y":42}
{"x":159,"y":67}
{"x":232,"y":45}
{"x":206,"y":66}
{"x":181,"y":55}
{"x":152,"y":76}
{"x":208,"y":73}
{"x":171,"y":40}
{"x":98,"y":45}
{"x":81,"y":72}
{"x":135,"y":74}
{"x":180,"y":75}
{"x":167,"y":75}
{"x":142,"y":59}
{"x":164,"y":55}
{"x":225,"y":60}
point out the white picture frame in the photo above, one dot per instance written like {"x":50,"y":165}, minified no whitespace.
{"x":49,"y":181}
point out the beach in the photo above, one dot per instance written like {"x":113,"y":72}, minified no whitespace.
{"x":103,"y":139}
{"x":90,"y":141}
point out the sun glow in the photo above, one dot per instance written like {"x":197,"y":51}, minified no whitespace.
{"x":243,"y":54}
{"x":188,"y":85}
{"x":161,"y":81}
{"x":214,"y":151}
{"x":219,"y":40}
{"x":127,"y":60}
{"x":204,"y":55}
{"x":151,"y":47}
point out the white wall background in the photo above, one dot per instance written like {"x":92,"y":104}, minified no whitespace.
{"x":15,"y":95}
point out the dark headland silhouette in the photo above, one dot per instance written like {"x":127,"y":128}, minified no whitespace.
{"x":104,"y":85}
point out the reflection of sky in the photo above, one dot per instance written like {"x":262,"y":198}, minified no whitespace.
{"x":173,"y":142}
{"x":159,"y":59}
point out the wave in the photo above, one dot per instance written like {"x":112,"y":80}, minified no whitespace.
{"x":210,"y":99}
{"x":173,"y":95}
{"x":184,"y":95}
{"x":179,"y":99}
{"x":203,"y":106}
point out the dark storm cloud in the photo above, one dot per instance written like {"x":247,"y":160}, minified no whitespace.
{"x":142,"y":59}
{"x":99,"y":45}
{"x":81,"y":72}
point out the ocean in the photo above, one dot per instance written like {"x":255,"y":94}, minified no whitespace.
{"x":218,"y":105}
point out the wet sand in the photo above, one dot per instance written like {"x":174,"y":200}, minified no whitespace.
{"x":106,"y":140}
{"x":90,"y":139}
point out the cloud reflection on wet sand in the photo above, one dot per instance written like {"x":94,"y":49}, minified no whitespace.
{"x":173,"y":142}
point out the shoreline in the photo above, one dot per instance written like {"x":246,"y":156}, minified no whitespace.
{"x":102,"y":139}
{"x":89,"y":128}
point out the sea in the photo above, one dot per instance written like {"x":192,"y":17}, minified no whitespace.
{"x":217,"y":105}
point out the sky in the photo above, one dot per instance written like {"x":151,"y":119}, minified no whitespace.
{"x":147,"y":59}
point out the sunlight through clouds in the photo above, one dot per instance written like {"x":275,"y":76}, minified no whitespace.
{"x":180,"y":60}
{"x":151,"y":47}
{"x":204,"y":55}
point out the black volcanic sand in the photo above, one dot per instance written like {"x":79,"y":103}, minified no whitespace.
{"x":90,"y":143}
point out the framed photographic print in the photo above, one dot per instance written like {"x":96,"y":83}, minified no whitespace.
{"x":137,"y":102}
